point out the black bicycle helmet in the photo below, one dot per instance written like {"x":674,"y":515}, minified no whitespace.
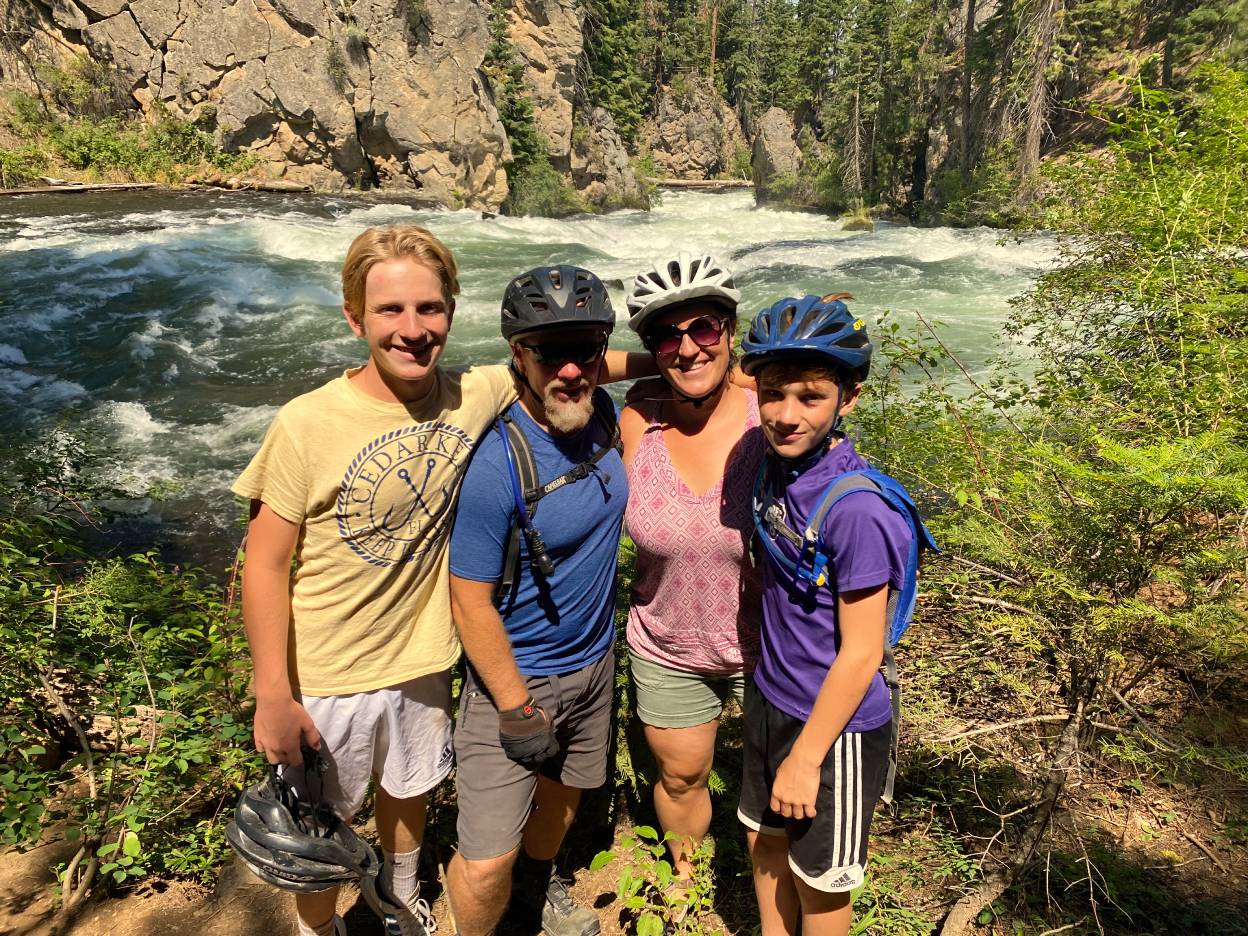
{"x":296,"y":845}
{"x":808,"y":327}
{"x":555,"y":295}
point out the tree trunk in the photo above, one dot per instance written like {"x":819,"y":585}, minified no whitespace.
{"x":1043,"y":34}
{"x":964,"y":913}
{"x":714,"y":39}
{"x":967,"y":35}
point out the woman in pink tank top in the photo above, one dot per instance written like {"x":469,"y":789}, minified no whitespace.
{"x":692,"y":453}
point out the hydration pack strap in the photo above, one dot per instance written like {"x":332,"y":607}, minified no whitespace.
{"x":531,"y":490}
{"x":812,"y":562}
{"x":894,"y":695}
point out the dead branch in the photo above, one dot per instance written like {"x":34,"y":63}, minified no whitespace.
{"x":65,"y":712}
{"x":1206,"y":849}
{"x":963,"y":915}
{"x":987,"y":570}
{"x":1030,"y":720}
{"x":998,"y":603}
{"x":1142,"y":721}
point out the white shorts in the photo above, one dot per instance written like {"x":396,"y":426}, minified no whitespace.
{"x":400,"y":734}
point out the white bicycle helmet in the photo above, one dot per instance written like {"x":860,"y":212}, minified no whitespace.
{"x":680,"y":279}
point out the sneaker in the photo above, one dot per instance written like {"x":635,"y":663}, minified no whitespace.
{"x":416,"y":920}
{"x":562,"y":917}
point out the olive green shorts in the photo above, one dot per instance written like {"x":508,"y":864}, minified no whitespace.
{"x":672,"y":698}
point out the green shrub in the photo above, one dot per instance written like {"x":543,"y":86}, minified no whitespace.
{"x":123,"y":722}
{"x":21,"y":165}
{"x":167,"y":150}
{"x":84,"y":88}
{"x":336,"y":65}
{"x":989,"y":196}
{"x":537,"y":188}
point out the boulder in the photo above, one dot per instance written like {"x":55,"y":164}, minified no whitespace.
{"x":857,"y":223}
{"x":159,"y":19}
{"x":694,"y":133}
{"x":117,"y":40}
{"x":68,"y":16}
{"x":600,"y":168}
{"x":547,"y":38}
{"x":775,"y":150}
{"x":103,"y":8}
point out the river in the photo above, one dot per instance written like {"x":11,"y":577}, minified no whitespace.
{"x":169,"y":327}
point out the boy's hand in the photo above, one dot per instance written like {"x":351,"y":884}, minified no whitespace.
{"x":795,"y":789}
{"x":280,"y":726}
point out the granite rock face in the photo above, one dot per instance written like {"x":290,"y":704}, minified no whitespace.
{"x":694,"y":133}
{"x":775,"y":150}
{"x":600,"y":168}
{"x":372,"y":93}
{"x":343,"y":93}
{"x":547,"y":38}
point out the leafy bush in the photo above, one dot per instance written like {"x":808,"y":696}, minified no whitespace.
{"x":1093,"y":512}
{"x":537,"y":188}
{"x":124,"y":722}
{"x":21,"y":165}
{"x":336,"y":66}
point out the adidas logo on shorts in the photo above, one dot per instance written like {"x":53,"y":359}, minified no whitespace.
{"x":845,"y":880}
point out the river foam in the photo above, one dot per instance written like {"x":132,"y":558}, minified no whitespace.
{"x":175,"y":325}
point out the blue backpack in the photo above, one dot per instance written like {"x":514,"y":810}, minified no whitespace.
{"x":812,"y":565}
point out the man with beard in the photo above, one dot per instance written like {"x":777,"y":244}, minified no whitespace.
{"x":533,"y":593}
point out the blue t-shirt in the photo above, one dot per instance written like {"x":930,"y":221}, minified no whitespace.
{"x":867,"y":544}
{"x":566,"y":622}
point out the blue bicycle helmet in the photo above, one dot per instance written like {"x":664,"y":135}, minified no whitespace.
{"x":808,"y":327}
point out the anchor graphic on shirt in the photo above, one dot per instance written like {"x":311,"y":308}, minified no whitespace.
{"x":419,"y":501}
{"x":391,"y":503}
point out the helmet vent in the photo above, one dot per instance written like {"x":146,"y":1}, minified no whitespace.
{"x":786,"y":317}
{"x":830,"y":327}
{"x":556,"y":279}
{"x":673,"y":273}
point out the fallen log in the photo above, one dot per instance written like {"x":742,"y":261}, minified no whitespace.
{"x":76,"y":187}
{"x":709,"y":185}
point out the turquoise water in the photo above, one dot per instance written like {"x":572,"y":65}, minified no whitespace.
{"x":170,"y":327}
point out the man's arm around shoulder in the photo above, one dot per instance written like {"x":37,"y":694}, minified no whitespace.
{"x":280,"y":722}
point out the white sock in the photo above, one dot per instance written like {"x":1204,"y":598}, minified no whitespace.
{"x":328,"y":928}
{"x":400,"y":875}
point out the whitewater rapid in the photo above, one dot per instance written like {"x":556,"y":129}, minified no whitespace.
{"x":169,"y":328}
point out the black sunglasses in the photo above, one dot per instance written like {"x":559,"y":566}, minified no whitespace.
{"x":583,"y":351}
{"x":666,"y":339}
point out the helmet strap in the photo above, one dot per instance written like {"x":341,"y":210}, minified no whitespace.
{"x":825,"y":443}
{"x":714,"y":392}
{"x":524,"y":381}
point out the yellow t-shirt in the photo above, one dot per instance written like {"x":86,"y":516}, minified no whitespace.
{"x":373,"y":486}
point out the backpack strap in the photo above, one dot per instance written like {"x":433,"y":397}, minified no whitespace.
{"x":523,"y":477}
{"x":528,"y":489}
{"x":769,"y":522}
{"x":812,"y":567}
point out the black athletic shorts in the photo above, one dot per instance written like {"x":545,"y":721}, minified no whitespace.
{"x":828,"y":852}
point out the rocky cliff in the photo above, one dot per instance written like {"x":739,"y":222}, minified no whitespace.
{"x":332,"y":93}
{"x":694,"y":133}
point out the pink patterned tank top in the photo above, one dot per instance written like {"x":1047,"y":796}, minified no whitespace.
{"x":696,"y":598}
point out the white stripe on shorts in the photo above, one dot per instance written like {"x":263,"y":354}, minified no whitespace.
{"x":847,"y":871}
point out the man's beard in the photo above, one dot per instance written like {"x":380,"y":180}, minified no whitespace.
{"x":568,"y":416}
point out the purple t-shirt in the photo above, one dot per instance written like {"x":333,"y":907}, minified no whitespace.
{"x":867,"y":544}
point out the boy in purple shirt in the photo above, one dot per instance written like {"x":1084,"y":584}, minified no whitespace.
{"x":817,"y":727}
